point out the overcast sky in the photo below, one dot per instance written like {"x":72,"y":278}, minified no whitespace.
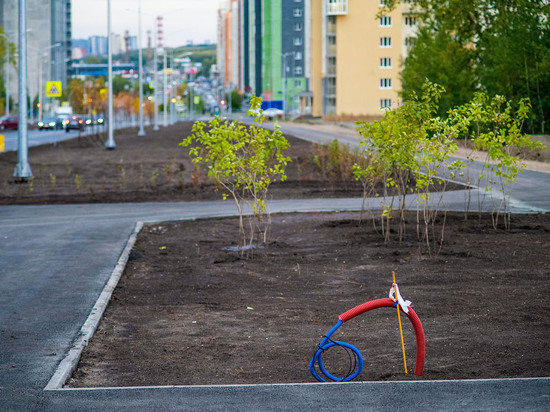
{"x":183,"y":19}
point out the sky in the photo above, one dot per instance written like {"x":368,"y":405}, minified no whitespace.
{"x":183,"y":19}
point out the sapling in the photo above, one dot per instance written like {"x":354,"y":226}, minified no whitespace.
{"x":244,"y":161}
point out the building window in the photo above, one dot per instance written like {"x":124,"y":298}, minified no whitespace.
{"x":298,"y":84}
{"x":383,"y":3}
{"x":385,"y":104}
{"x":298,"y":27}
{"x":385,"y":62}
{"x":298,"y":55}
{"x":298,"y":70}
{"x":297,"y":41}
{"x":410,"y":21}
{"x":385,"y":21}
{"x":385,"y":41}
{"x":297,"y":13}
{"x":297,"y":1}
{"x":385,"y":83}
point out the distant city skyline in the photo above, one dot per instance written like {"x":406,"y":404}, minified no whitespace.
{"x":184,"y":20}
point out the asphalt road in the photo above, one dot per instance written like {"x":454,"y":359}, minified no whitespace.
{"x":55,"y":261}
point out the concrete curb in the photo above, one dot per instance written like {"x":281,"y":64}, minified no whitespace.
{"x":69,"y":363}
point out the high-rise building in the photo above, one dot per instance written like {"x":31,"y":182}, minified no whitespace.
{"x":48,"y":41}
{"x":324,"y":57}
{"x":357,"y":57}
{"x":263,"y":49}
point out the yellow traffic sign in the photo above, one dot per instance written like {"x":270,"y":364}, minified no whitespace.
{"x":53,"y":89}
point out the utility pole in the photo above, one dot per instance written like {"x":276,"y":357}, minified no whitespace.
{"x":22,"y":170}
{"x":141,"y":131}
{"x":164,"y":89}
{"x":110,"y":143}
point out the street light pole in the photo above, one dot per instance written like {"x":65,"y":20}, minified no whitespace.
{"x":22,"y":171}
{"x":110,"y":143}
{"x":164,"y":89}
{"x":141,"y":131}
{"x":156,"y":89}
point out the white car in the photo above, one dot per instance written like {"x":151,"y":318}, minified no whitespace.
{"x":273,"y":113}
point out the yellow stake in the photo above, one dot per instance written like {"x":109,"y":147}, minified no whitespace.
{"x":400,"y":327}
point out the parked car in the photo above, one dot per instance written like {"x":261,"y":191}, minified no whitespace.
{"x":50,"y":123}
{"x":273,"y":113}
{"x":9,"y":122}
{"x":75,"y":122}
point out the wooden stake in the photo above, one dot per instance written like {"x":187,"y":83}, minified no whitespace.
{"x":400,"y":327}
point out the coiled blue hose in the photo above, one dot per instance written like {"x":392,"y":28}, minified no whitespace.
{"x":327,"y":343}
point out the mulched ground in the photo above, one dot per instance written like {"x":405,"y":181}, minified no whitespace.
{"x":189,"y":312}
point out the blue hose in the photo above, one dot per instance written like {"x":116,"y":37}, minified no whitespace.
{"x":327,"y":343}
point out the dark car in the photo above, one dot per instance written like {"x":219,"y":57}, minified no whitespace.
{"x":50,"y":123}
{"x":74,"y":122}
{"x":9,"y":122}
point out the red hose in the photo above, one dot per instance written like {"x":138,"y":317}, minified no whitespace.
{"x":418,"y":331}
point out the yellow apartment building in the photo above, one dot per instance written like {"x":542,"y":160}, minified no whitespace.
{"x":355,"y":57}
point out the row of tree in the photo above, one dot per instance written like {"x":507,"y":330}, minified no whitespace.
{"x":496,"y":47}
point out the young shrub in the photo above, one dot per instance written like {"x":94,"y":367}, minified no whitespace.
{"x":411,"y":148}
{"x":494,"y":127}
{"x":244,"y":161}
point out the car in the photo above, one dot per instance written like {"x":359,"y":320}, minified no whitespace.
{"x":98,"y":120}
{"x":9,"y":122}
{"x":61,"y":119}
{"x":75,"y":122}
{"x":273,"y":113}
{"x":50,"y":123}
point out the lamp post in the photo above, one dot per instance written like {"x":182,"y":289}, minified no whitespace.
{"x":156,"y":89}
{"x":110,"y":143}
{"x":22,"y":170}
{"x":41,"y":80}
{"x":141,"y":131}
{"x":164,"y":88}
{"x":7,"y":73}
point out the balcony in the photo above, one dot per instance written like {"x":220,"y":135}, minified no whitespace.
{"x":337,"y":7}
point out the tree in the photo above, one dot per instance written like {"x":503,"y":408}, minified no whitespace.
{"x":514,"y":55}
{"x":76,"y":95}
{"x":243,"y":160}
{"x":498,"y":47}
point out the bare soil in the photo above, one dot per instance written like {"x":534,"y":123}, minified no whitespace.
{"x":189,"y":311}
{"x":146,"y":169}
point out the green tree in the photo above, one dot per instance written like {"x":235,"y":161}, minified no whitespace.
{"x":514,"y":55}
{"x":244,"y":160}
{"x":120,"y":84}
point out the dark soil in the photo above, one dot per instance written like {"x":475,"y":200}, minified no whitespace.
{"x":149,"y":168}
{"x":189,"y":312}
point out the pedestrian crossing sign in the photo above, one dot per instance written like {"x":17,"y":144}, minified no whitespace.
{"x":53,"y":89}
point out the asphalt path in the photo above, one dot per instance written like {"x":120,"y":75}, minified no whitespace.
{"x":55,"y":261}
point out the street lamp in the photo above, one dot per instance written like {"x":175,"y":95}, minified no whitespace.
{"x":40,"y":79}
{"x":110,"y":143}
{"x":141,"y":131}
{"x":22,"y":170}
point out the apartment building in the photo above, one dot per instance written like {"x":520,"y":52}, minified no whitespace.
{"x":270,"y":55}
{"x":324,"y":57}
